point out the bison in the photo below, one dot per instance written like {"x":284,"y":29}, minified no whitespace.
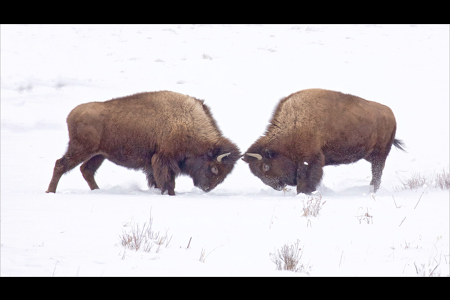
{"x":314,"y":128}
{"x":164,"y":134}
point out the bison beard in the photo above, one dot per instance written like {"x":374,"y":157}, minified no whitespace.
{"x":165,"y":134}
{"x":314,"y":128}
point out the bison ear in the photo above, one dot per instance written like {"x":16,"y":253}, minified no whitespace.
{"x":268,"y":153}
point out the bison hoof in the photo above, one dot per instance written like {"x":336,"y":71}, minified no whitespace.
{"x":373,"y":189}
{"x":169,"y":192}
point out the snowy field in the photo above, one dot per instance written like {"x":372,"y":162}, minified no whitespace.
{"x":241,"y":72}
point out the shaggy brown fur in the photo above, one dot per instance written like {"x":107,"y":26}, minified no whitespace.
{"x":165,"y":134}
{"x":314,"y":128}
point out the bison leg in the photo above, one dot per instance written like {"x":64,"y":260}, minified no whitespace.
{"x":164,"y":172}
{"x":309,"y":174}
{"x":89,"y":168}
{"x":62,"y":165}
{"x":169,"y":187}
{"x":150,"y":178}
{"x":59,"y":169}
{"x":377,"y":158}
{"x":377,"y":171}
{"x":74,"y":156}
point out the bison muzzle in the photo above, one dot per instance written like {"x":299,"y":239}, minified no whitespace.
{"x":314,"y":128}
{"x":165,"y":134}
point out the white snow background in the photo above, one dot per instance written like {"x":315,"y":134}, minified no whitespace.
{"x":241,"y":71}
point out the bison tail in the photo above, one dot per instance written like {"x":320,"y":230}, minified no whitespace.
{"x":399,"y":144}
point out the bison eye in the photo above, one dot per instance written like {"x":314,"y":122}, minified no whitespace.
{"x":266,"y":167}
{"x":214,"y":170}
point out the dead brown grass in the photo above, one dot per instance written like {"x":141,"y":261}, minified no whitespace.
{"x":289,"y":258}
{"x":439,"y":180}
{"x":144,"y":237}
{"x":313,"y":205}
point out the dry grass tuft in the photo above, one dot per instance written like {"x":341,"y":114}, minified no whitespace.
{"x":202,"y":256}
{"x":144,"y":237}
{"x":442,"y":180}
{"x":413,"y":183}
{"x":438,"y":181}
{"x":206,"y":56}
{"x":364,"y":217}
{"x":289,"y":257}
{"x":313,"y":206}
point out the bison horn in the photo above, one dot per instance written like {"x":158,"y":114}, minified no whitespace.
{"x":219,"y":158}
{"x":255,"y":155}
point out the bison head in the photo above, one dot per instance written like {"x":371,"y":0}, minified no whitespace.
{"x":273,"y":169}
{"x":210,"y":169}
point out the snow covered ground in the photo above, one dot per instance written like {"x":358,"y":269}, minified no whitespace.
{"x":241,"y":71}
